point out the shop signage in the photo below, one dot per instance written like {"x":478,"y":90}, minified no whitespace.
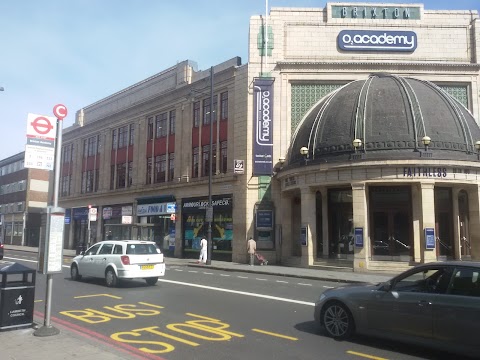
{"x":264,"y":220}
{"x":373,"y":40}
{"x":429,"y":238}
{"x":107,"y":213}
{"x":154,"y":209}
{"x":376,"y":12}
{"x":203,"y":203}
{"x":239,"y":167}
{"x":359,"y":237}
{"x":426,"y":172}
{"x":263,"y":126}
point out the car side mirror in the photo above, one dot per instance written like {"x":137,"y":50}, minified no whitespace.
{"x":387,"y":286}
{"x":82,"y":252}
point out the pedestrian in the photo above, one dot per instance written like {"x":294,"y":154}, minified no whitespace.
{"x":251,"y":249}
{"x":203,"y":251}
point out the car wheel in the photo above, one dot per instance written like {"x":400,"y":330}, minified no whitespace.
{"x":74,"y":274}
{"x":111,"y":278}
{"x":337,"y":320}
{"x":151,"y":281}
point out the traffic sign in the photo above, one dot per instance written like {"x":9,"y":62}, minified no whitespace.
{"x":40,"y":126}
{"x":60,"y":111}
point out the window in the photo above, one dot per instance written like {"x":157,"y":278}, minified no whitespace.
{"x":160,"y":168}
{"x":114,"y":139}
{"x":149,"y":171}
{"x":196,"y":113}
{"x":132,"y":134}
{"x":224,"y":105}
{"x":130,"y":173}
{"x":93,"y":250}
{"x":223,"y":157}
{"x":161,"y":125}
{"x":150,"y":128}
{"x":112,"y":177}
{"x":90,"y":147}
{"x":195,"y":160}
{"x":118,"y":250}
{"x":122,"y":137}
{"x":66,"y":185}
{"x":121,"y":175}
{"x":466,"y":282}
{"x":106,"y":249}
{"x":430,"y":280}
{"x":20,"y":206}
{"x":206,"y":160}
{"x":172,"y":121}
{"x":171,"y":166}
{"x":67,"y":155}
{"x":206,"y":111}
{"x":90,"y":181}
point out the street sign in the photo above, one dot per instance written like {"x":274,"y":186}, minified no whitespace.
{"x":40,"y":147}
{"x":60,"y":111}
{"x":239,"y":167}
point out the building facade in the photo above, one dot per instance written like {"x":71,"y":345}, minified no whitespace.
{"x":24,"y":196}
{"x":357,"y":87}
{"x":349,"y":137}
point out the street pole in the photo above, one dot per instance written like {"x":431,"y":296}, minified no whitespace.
{"x":209,"y":214}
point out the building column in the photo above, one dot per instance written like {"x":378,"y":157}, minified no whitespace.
{"x":428,"y":219}
{"x":285,"y":220}
{"x":474,"y":219}
{"x":308,"y":222}
{"x":416,"y":222}
{"x":360,"y":220}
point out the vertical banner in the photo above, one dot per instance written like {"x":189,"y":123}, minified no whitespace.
{"x":263,"y":126}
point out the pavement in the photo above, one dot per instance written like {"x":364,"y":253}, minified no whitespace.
{"x":70,"y":343}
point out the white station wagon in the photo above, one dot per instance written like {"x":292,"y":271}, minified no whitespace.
{"x":120,"y":259}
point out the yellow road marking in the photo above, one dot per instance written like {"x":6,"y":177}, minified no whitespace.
{"x":365,"y":355}
{"x":38,"y":300}
{"x":275,"y":334}
{"x":107,"y":295}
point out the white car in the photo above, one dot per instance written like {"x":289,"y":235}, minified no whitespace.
{"x":120,"y":259}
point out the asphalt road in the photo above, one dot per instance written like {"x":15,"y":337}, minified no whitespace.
{"x":196,"y":313}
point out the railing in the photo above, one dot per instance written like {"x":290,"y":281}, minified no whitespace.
{"x":399,"y":242}
{"x":445,"y":245}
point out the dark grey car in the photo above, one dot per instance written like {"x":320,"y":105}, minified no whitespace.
{"x":2,"y":250}
{"x":434,"y":304}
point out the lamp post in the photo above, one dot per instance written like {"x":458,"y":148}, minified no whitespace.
{"x":304,"y":152}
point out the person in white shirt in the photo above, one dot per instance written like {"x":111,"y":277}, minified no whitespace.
{"x":203,"y":251}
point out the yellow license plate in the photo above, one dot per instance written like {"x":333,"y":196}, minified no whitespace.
{"x":146,"y":267}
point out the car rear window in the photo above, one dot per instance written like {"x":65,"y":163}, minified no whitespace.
{"x":139,"y":249}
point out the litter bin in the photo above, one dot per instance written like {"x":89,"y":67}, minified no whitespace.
{"x":17,"y":296}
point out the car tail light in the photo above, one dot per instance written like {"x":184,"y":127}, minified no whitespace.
{"x":125,"y":260}
{"x":1,"y":245}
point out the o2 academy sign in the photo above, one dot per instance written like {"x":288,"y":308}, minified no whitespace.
{"x":370,"y":40}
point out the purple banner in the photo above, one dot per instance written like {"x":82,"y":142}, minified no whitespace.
{"x":263,"y":126}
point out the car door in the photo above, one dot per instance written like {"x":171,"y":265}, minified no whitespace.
{"x":101,"y":260}
{"x":85,"y":262}
{"x":456,"y":313}
{"x":405,"y":310}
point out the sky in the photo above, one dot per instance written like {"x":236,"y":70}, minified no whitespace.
{"x":77,"y":52}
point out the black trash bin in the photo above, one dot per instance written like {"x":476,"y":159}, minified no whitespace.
{"x":17,"y":296}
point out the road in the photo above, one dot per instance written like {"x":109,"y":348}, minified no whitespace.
{"x":196,"y":313}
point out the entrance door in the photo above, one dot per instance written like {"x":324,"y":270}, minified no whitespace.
{"x":465,"y":246}
{"x":391,"y":223}
{"x":391,"y":235}
{"x":444,"y":223}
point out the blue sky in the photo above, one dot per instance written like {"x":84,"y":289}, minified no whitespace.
{"x":76,"y":52}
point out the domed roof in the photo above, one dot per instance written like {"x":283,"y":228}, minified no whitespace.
{"x":390,"y":115}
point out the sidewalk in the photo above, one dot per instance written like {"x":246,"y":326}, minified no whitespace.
{"x":22,"y":344}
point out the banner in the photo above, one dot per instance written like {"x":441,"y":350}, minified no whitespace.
{"x":263,"y":126}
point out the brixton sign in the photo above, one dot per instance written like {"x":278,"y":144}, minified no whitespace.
{"x":369,"y":40}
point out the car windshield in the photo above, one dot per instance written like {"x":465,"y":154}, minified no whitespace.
{"x":138,"y":249}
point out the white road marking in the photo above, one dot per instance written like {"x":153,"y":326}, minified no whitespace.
{"x":239,"y":292}
{"x":193,"y":271}
{"x":178,"y":269}
{"x":282,"y":281}
{"x":328,"y":287}
{"x":260,"y":279}
{"x":242,"y":277}
{"x":207,"y":273}
{"x":304,"y":284}
{"x":224,"y":275}
{"x":216,"y":289}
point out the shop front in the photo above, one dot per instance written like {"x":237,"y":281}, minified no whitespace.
{"x":117,"y":222}
{"x":156,"y":222}
{"x":194,"y":226}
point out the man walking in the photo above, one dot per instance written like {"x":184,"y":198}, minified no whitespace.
{"x":203,"y":251}
{"x":251,"y":249}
